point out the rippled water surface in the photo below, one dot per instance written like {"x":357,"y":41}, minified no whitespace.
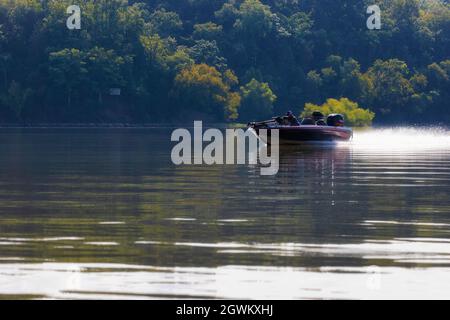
{"x":103,"y":213}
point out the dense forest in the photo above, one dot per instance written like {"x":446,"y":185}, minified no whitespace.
{"x":236,"y":60}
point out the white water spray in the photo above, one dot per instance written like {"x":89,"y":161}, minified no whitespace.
{"x":402,"y":139}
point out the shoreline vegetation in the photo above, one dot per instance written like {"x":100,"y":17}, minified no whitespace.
{"x":172,"y":125}
{"x":231,"y":61}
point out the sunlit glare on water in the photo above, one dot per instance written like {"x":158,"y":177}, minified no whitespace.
{"x":401,"y":139}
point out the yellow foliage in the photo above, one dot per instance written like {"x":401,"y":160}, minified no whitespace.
{"x":354,"y":115}
{"x":208,"y":88}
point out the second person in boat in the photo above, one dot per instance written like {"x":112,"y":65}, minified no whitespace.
{"x":291,"y":119}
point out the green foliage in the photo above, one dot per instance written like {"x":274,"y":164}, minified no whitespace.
{"x":390,"y":83}
{"x":257,"y":99}
{"x":354,"y":115}
{"x":208,"y":52}
{"x":300,"y":25}
{"x":207,"y":31}
{"x":16,"y":98}
{"x":254,"y":18}
{"x":203,"y":88}
{"x":299,"y":51}
{"x":164,"y":54}
{"x":68,"y":70}
{"x":104,"y":68}
{"x":165,"y":23}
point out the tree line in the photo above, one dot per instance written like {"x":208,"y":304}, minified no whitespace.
{"x":217,"y":60}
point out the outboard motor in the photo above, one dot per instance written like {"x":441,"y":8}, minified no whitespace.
{"x":335,"y":120}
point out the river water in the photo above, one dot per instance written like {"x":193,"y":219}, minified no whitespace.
{"x":104,"y":214}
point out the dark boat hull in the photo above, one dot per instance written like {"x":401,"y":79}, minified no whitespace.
{"x":302,"y":134}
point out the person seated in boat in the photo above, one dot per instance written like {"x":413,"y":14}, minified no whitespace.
{"x":312,"y":120}
{"x":335,"y":120}
{"x":291,"y":120}
{"x":319,"y":118}
{"x":308,"y":121}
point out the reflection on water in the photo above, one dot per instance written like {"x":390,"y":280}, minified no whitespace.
{"x":102,"y":213}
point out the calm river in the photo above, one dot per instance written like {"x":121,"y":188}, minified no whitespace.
{"x":104,"y":214}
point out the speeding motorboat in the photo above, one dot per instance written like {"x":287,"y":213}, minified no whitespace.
{"x":331,"y":131}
